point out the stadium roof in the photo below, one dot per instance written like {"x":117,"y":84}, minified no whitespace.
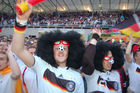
{"x":51,"y":6}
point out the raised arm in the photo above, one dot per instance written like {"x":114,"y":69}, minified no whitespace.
{"x":88,"y":57}
{"x":18,"y":37}
{"x":13,"y":64}
{"x":128,"y":49}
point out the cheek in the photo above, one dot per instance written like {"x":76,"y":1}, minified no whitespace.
{"x":103,"y":63}
{"x":66,"y":53}
{"x":55,"y":54}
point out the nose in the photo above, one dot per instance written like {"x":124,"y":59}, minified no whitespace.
{"x":111,"y":61}
{"x":61,"y":48}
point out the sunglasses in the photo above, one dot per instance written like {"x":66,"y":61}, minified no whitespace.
{"x":109,"y":59}
{"x":61,"y":42}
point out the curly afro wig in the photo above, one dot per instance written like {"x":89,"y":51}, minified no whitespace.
{"x":76,"y":48}
{"x":102,"y":49}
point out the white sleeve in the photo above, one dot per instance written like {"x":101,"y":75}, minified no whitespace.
{"x":80,"y":85}
{"x":39,"y":65}
{"x":128,"y":65}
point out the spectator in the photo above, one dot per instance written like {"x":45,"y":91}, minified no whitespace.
{"x":9,"y":74}
{"x":58,"y":55}
{"x":133,"y":67}
{"x":99,"y":65}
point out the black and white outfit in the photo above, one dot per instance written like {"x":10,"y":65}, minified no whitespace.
{"x":99,"y":81}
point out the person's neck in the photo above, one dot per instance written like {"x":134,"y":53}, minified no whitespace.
{"x":105,"y":70}
{"x":63,"y":64}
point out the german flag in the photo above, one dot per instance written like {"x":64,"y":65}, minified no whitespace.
{"x":131,"y":25}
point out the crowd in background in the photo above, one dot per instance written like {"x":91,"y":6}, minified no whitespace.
{"x":82,"y":19}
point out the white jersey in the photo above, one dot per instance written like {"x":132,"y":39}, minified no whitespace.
{"x":108,"y":82}
{"x":134,"y":76}
{"x":57,"y":80}
{"x":7,"y":84}
{"x":28,"y":76}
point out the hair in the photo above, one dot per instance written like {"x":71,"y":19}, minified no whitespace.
{"x":118,"y":55}
{"x":135,"y":53}
{"x":102,"y":49}
{"x":2,"y":52}
{"x":76,"y":48}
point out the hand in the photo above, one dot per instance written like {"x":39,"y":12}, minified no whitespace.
{"x":25,"y":16}
{"x":9,"y":49}
{"x":98,"y":31}
{"x":131,"y":37}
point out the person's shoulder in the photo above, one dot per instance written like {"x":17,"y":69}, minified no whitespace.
{"x":74,"y":72}
{"x":115,"y":73}
{"x":37,"y":58}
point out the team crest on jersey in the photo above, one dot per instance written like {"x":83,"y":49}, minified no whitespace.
{"x":70,"y":86}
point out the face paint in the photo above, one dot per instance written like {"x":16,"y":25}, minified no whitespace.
{"x":61,"y":42}
{"x":109,"y":59}
{"x":61,"y":48}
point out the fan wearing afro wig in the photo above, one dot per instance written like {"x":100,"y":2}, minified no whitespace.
{"x":75,"y":46}
{"x":100,"y":62}
{"x":58,"y":55}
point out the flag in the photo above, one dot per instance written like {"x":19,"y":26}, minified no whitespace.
{"x":131,"y":25}
{"x":0,"y":29}
{"x":23,"y":7}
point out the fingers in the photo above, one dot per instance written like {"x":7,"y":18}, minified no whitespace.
{"x":27,"y":14}
{"x":22,"y":1}
{"x":94,"y":31}
{"x":18,"y":1}
{"x":30,"y":6}
{"x":97,"y":30}
{"x":131,"y":37}
{"x":8,"y":49}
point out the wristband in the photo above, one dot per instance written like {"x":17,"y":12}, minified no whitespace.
{"x":19,"y":28}
{"x":93,"y":41}
{"x":21,"y":22}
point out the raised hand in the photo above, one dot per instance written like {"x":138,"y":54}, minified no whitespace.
{"x":9,"y":49}
{"x":25,"y":15}
{"x":98,"y":31}
{"x":131,"y":37}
